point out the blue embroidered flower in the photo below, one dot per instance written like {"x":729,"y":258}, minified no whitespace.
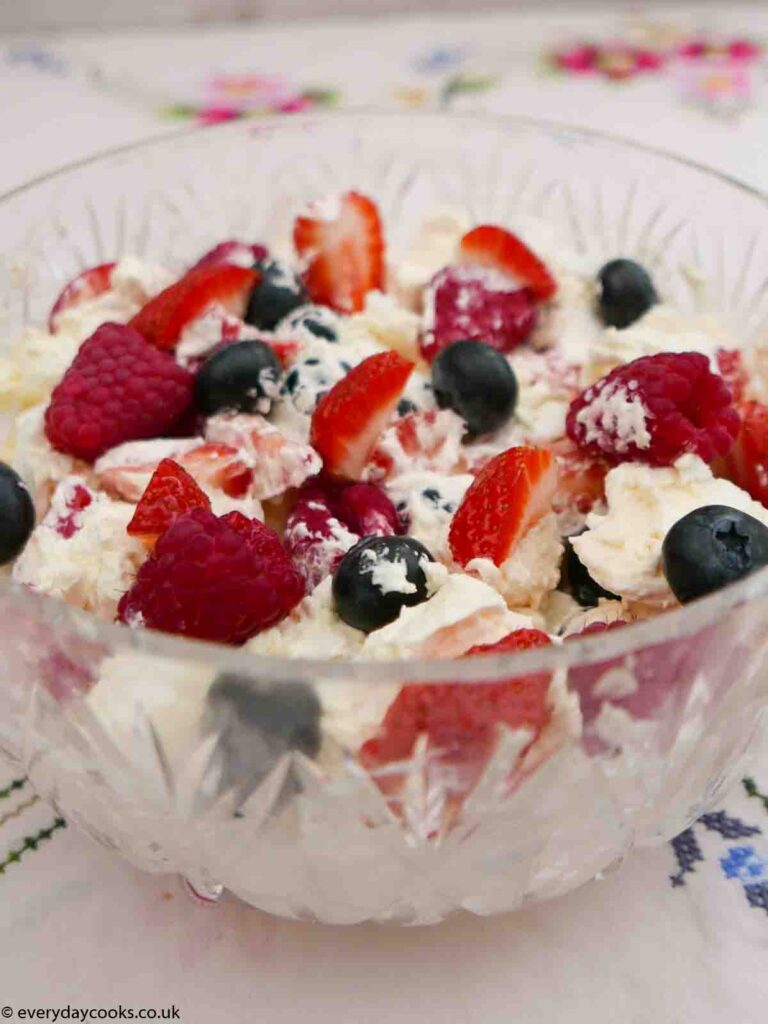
{"x":745,"y":863}
{"x":38,"y":58}
{"x":442,"y":58}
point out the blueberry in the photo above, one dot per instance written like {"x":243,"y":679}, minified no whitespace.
{"x":17,"y":514}
{"x":243,"y":375}
{"x":377,"y":578}
{"x":431,"y":494}
{"x":710,"y":548}
{"x":578,"y":582}
{"x":405,"y":406}
{"x":311,"y":378}
{"x":477,"y":382}
{"x":277,"y":294}
{"x":256,"y":726}
{"x":626,"y":292}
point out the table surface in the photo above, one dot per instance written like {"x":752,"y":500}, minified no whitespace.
{"x":680,"y":933}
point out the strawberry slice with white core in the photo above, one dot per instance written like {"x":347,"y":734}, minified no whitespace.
{"x":162,"y":320}
{"x":350,"y":418}
{"x":277,"y":462}
{"x":83,"y":288}
{"x":422,"y":440}
{"x":491,"y":246}
{"x":340,"y":244}
{"x":509,"y":496}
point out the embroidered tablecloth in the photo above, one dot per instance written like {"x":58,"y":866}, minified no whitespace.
{"x":680,"y":933}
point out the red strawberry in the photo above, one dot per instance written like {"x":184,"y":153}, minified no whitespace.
{"x":118,"y":389}
{"x":162,"y":320}
{"x":508,"y":496}
{"x":460,"y":721}
{"x":747,"y":462}
{"x":349,"y":419}
{"x":580,"y":478}
{"x":730,"y":365}
{"x":86,"y":286}
{"x":419,"y":440}
{"x":170,"y":492}
{"x":492,"y":246}
{"x":343,"y":251}
{"x":219,"y":466}
{"x":233,"y":252}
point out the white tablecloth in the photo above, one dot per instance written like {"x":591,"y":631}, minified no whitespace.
{"x":680,"y":934}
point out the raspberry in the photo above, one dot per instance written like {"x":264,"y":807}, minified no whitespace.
{"x":329,"y":517}
{"x":223,"y":579}
{"x":654,"y":410}
{"x":119,"y":388}
{"x":477,"y":303}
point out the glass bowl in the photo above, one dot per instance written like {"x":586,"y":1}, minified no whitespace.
{"x":236,"y":771}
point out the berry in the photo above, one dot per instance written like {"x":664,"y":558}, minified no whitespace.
{"x":654,"y":410}
{"x":491,"y":246}
{"x":329,"y":517}
{"x":309,"y":322}
{"x":586,"y":591}
{"x":234,"y":253}
{"x":730,"y":366}
{"x":626,"y":292}
{"x":257,"y":725}
{"x":508,"y":496}
{"x":85,"y":287}
{"x":279,"y":463}
{"x":17,"y":514}
{"x":417,"y":441}
{"x":223,"y":579}
{"x":119,"y":388}
{"x":349,"y":420}
{"x":367,"y":511}
{"x":340,"y":241}
{"x":710,"y":548}
{"x":472,"y":302}
{"x":315,"y":537}
{"x":242,"y":376}
{"x":170,"y":492}
{"x":276,"y":294}
{"x":220,"y":466}
{"x":379,"y":577}
{"x":477,"y":382}
{"x":461,"y":721}
{"x":580,"y":478}
{"x":747,"y":463}
{"x":163,"y":319}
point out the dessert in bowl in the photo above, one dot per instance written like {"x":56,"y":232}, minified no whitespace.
{"x":384,"y":529}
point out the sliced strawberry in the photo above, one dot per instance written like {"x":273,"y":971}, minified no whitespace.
{"x":747,"y":462}
{"x":341,"y":245}
{"x":580,"y":478}
{"x":219,"y":466}
{"x":233,"y":252}
{"x":162,"y":320}
{"x":279,"y":463}
{"x":86,"y":286}
{"x":427,"y":440}
{"x":349,"y":420}
{"x":170,"y":492}
{"x":508,"y":496}
{"x":730,"y":365}
{"x":491,"y":246}
{"x":460,"y":721}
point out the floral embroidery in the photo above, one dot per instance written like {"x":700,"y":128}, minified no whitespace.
{"x":231,"y":97}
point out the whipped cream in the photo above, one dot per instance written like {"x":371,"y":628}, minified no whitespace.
{"x":617,"y":410}
{"x":384,"y":321}
{"x":312,"y":630}
{"x":532,"y":568}
{"x":622,"y":547}
{"x":464,"y":612}
{"x":427,"y":500}
{"x":81,"y":552}
{"x":434,"y":247}
{"x":36,"y":461}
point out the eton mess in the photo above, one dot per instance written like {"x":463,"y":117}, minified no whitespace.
{"x":466,"y":448}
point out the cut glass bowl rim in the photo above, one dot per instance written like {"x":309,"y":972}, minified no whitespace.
{"x":675,"y":624}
